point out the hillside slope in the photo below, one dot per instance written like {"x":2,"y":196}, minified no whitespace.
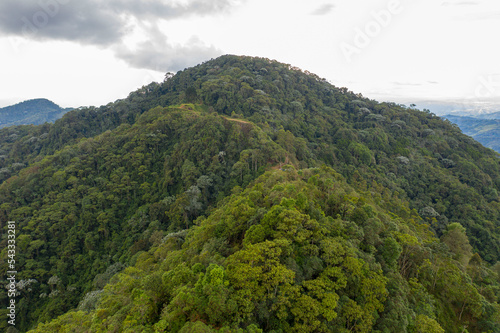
{"x":296,"y":252}
{"x":100,"y":188}
{"x":99,"y":202}
{"x":444,"y":174}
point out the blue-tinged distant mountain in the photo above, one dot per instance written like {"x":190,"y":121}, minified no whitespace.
{"x":493,"y":115}
{"x":35,"y":111}
{"x":484,"y":109}
{"x":484,"y":130}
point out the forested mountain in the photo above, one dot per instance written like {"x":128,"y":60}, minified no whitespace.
{"x":34,"y":111}
{"x":484,"y":130}
{"x":245,"y":195}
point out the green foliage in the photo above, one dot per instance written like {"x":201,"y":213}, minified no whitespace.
{"x":223,"y":214}
{"x":300,"y":270}
{"x":100,"y":203}
{"x":425,"y":324}
{"x":456,"y":239}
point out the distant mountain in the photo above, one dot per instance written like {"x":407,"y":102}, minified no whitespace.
{"x":487,"y":109}
{"x":35,"y":111}
{"x":444,"y":107}
{"x":494,"y":115}
{"x":484,"y":130}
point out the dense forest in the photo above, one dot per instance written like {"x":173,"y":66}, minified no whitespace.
{"x":34,"y":111}
{"x":247,"y":195}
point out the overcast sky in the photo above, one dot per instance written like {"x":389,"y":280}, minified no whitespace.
{"x":92,"y":52}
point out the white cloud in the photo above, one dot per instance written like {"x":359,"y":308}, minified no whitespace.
{"x":443,"y":46}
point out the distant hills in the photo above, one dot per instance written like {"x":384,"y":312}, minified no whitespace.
{"x":480,"y":120}
{"x":484,"y":128}
{"x":486,"y":108}
{"x":493,"y":115}
{"x":35,"y":111}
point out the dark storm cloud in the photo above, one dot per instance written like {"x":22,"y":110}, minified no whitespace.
{"x":78,"y":21}
{"x":106,"y":23}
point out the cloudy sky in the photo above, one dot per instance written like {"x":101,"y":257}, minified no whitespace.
{"x":92,"y":52}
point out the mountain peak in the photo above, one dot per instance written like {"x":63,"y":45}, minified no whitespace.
{"x":244,"y":191}
{"x":34,"y":111}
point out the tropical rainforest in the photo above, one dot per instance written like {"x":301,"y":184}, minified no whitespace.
{"x":248,"y":195}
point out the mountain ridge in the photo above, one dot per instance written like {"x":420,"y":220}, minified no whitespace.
{"x":120,"y":191}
